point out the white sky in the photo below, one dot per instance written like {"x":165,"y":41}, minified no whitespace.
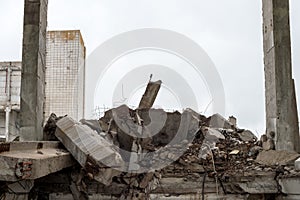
{"x":229,"y":31}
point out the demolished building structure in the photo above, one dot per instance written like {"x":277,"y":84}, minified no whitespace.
{"x":124,"y":155}
{"x":148,"y":154}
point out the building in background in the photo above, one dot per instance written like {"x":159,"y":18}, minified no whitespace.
{"x":65,"y":80}
{"x":10,"y":82}
{"x":65,"y":74}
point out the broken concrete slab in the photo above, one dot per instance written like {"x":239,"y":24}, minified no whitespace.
{"x":92,"y":151}
{"x":273,"y":157}
{"x":32,"y":160}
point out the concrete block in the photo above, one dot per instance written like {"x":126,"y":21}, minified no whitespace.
{"x":91,"y":150}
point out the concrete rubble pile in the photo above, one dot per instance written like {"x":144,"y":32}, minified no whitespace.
{"x":220,"y":154}
{"x":152,"y":154}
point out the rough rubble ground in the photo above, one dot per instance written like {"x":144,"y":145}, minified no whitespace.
{"x":217,"y":151}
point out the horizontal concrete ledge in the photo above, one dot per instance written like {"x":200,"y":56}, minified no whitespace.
{"x":32,"y":160}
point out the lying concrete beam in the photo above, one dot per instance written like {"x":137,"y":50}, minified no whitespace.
{"x":150,"y":94}
{"x":32,"y":160}
{"x":90,"y":149}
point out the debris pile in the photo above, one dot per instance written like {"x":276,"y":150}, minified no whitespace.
{"x":139,"y":165}
{"x":146,"y":153}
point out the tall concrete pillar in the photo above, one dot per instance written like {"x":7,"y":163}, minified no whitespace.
{"x":33,"y":70}
{"x":281,"y":108}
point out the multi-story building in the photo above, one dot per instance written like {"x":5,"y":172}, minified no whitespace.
{"x":10,"y":82}
{"x":64,"y":79}
{"x":65,"y":72}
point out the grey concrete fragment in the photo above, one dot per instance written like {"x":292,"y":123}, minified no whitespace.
{"x":150,"y":94}
{"x":218,"y":121}
{"x":247,"y":136}
{"x":213,"y":133}
{"x":92,"y":151}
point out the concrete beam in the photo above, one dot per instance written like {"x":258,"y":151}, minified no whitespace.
{"x":32,"y":160}
{"x":90,"y":149}
{"x":33,"y":70}
{"x":281,"y":108}
{"x":150,"y":95}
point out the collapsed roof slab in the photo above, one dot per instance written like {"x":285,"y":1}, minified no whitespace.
{"x":32,"y":160}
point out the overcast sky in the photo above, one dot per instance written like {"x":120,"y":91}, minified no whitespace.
{"x":229,"y":31}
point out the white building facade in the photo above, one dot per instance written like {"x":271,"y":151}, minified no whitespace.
{"x":64,"y":79}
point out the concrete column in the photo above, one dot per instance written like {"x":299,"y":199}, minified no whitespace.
{"x":281,"y":108}
{"x":33,"y":70}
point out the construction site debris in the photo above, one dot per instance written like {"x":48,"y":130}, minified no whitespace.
{"x":138,"y":154}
